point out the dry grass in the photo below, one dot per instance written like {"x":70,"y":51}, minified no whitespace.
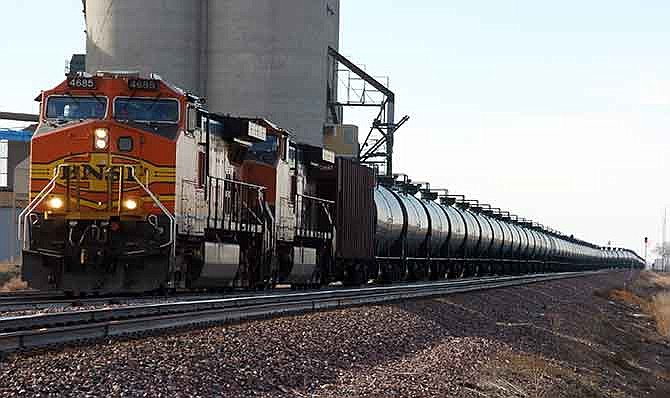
{"x":628,"y":297}
{"x":8,"y":268}
{"x":528,"y":375}
{"x":657,"y":305}
{"x":660,"y":280}
{"x":10,"y":279}
{"x":659,"y":308}
{"x":13,"y":285}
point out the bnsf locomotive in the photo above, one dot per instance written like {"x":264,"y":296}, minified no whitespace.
{"x":136,"y":187}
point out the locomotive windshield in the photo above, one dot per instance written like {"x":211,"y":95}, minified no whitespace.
{"x":146,"y":110}
{"x":270,"y":144}
{"x":75,"y":108}
{"x":265,"y":151}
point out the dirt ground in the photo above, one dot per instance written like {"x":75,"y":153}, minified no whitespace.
{"x":596,"y":339}
{"x":585,"y":337}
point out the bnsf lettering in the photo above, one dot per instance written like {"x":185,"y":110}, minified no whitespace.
{"x":88,"y":172}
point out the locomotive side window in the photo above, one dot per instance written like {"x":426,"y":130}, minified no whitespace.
{"x":76,"y":108}
{"x":266,"y":151}
{"x":146,"y":110}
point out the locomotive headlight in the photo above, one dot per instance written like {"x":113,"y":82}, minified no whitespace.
{"x":55,"y":203}
{"x":130,"y":204}
{"x":101,"y":133}
{"x":101,"y":136}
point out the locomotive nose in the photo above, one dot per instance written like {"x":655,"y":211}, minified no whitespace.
{"x":96,"y":179}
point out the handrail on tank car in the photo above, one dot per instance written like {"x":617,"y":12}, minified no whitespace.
{"x":173,"y":224}
{"x":21,"y":224}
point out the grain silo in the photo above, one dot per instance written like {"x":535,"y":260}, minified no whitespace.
{"x":265,"y":58}
{"x":161,"y":36}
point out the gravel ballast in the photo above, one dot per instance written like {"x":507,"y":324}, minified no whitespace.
{"x":551,"y":339}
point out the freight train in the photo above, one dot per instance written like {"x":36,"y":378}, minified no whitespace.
{"x":137,"y":187}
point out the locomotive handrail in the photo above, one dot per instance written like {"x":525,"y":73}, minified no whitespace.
{"x":234,"y":209}
{"x":251,"y":211}
{"x":316,"y":199}
{"x":244,"y":184}
{"x":323,"y":203}
{"x":173,"y":224}
{"x":21,"y":230}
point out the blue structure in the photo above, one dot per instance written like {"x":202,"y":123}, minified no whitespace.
{"x":15,"y":135}
{"x":14,"y":149}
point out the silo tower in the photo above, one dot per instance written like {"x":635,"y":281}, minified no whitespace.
{"x":159,"y":36}
{"x":264,"y":58}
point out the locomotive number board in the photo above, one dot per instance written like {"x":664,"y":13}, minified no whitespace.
{"x":143,"y":84}
{"x":81,"y":82}
{"x":257,"y":131}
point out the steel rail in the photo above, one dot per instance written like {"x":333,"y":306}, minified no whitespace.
{"x":153,"y":318}
{"x":28,"y":303}
{"x":13,"y":323}
{"x":36,"y":300}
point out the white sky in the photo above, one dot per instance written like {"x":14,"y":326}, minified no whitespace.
{"x":557,"y":111}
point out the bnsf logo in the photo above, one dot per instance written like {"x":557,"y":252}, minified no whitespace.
{"x":88,"y":172}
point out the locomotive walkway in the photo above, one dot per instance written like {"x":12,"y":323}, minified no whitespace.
{"x":35,"y":331}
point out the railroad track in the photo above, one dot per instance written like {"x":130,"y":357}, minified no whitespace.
{"x":39,"y":301}
{"x":34,"y":331}
{"x":42,"y":300}
{"x":35,"y":300}
{"x":21,"y":301}
{"x":53,"y":300}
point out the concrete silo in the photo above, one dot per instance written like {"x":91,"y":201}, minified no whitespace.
{"x":160,"y":36}
{"x":264,"y":58}
{"x":269,"y":57}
